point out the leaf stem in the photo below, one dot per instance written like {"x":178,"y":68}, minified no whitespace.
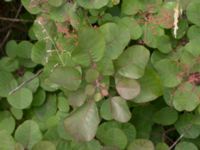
{"x":25,"y":82}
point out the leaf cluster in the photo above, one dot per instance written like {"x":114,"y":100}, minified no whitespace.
{"x":103,"y":75}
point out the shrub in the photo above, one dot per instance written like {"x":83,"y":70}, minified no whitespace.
{"x":103,"y":74}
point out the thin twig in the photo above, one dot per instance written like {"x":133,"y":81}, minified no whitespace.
{"x":9,"y":31}
{"x":174,"y":144}
{"x":25,"y":82}
{"x":14,"y":19}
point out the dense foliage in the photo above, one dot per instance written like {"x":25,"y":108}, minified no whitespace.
{"x":103,"y":74}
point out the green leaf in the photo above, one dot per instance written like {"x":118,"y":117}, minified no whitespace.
{"x":28,"y":133}
{"x":7,"y":83}
{"x":129,"y":130}
{"x":130,"y":7}
{"x":105,"y":66}
{"x":186,"y":146}
{"x":169,"y":71}
{"x":11,"y":48}
{"x":111,"y":135}
{"x":105,"y":110}
{"x":33,"y":84}
{"x":39,"y":52}
{"x":59,"y":14}
{"x":152,"y":32}
{"x":19,"y":146}
{"x":20,"y":99}
{"x":61,"y":131}
{"x":17,"y":113}
{"x":120,"y":110}
{"x":150,"y":79}
{"x":132,"y":62}
{"x":95,"y":4}
{"x":6,"y":142}
{"x":182,"y":28}
{"x":193,"y":46}
{"x":164,"y":44}
{"x":9,"y":64}
{"x":91,"y":145}
{"x":44,"y":145}
{"x":48,"y":109}
{"x":115,"y":44}
{"x":185,"y":99}
{"x":24,"y":49}
{"x":63,"y":104}
{"x":66,"y":77}
{"x":82,"y":123}
{"x":91,"y":46}
{"x":141,"y":144}
{"x":165,"y":116}
{"x":39,"y":97}
{"x":77,"y":98}
{"x":192,"y":12}
{"x":142,"y":120}
{"x":134,"y":29}
{"x":193,"y":32}
{"x":162,"y":146}
{"x":7,"y":122}
{"x":55,"y":3}
{"x":91,"y":75}
{"x":127,"y":88}
{"x":186,"y":126}
{"x":31,"y":6}
{"x":44,"y":29}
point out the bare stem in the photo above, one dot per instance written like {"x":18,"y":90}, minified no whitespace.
{"x":174,"y":144}
{"x":14,"y":19}
{"x":25,"y":82}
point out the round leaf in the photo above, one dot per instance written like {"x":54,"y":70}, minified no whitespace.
{"x":9,"y":64}
{"x":31,"y":6}
{"x":39,"y":97}
{"x":7,"y":122}
{"x":120,"y":110}
{"x":115,"y":44}
{"x":186,"y":146}
{"x":133,"y":27}
{"x":168,"y":71}
{"x":165,"y":116}
{"x":112,"y":136}
{"x":162,"y":146}
{"x":82,"y":124}
{"x":91,"y":46}
{"x":127,"y":88}
{"x":141,"y":144}
{"x":24,"y":49}
{"x":132,"y":62}
{"x":21,"y":99}
{"x":193,"y":32}
{"x":66,"y":77}
{"x":28,"y":134}
{"x":130,"y":7}
{"x":105,"y":110}
{"x":44,"y":145}
{"x":33,"y":84}
{"x":11,"y":48}
{"x":6,"y":142}
{"x":185,"y":126}
{"x":95,"y":4}
{"x":192,"y":12}
{"x":150,"y":79}
{"x":185,"y":99}
{"x":7,"y":83}
{"x":164,"y":44}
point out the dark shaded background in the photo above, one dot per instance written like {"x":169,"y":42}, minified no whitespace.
{"x":9,"y":28}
